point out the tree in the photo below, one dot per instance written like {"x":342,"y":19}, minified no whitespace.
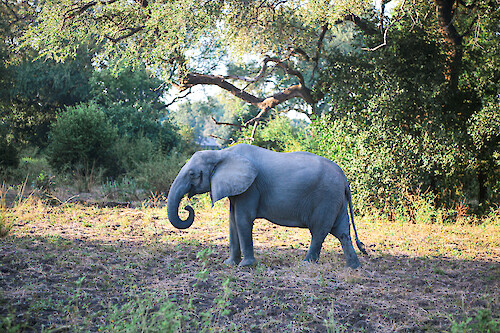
{"x":297,"y":34}
{"x":33,"y":89}
{"x":82,"y":139}
{"x":132,"y":101}
{"x":164,"y":35}
{"x":413,"y":116}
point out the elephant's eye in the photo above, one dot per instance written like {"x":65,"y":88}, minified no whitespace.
{"x":194,"y":174}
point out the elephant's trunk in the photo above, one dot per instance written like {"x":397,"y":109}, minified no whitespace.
{"x":177,"y":191}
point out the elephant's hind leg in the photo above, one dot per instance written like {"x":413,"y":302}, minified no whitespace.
{"x":317,"y":238}
{"x":342,"y":231}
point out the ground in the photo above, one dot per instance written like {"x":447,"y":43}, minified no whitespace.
{"x":72,"y":267}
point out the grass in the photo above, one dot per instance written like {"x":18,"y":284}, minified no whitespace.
{"x":83,"y":268}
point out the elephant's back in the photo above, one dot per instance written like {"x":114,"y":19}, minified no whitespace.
{"x":300,"y":164}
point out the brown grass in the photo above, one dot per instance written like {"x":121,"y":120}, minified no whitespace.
{"x":77,"y":268}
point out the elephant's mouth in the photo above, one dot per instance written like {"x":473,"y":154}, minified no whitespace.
{"x":191,"y":192}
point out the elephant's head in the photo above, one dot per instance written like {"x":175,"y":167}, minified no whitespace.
{"x":222,"y":172}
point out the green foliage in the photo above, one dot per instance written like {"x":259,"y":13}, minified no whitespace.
{"x":131,"y":100}
{"x":124,"y":189}
{"x":36,"y":93}
{"x":481,"y":323}
{"x":197,"y":117}
{"x":82,"y":138}
{"x":44,"y":183}
{"x":157,"y":174}
{"x":139,"y":121}
{"x":147,"y":312}
{"x":281,"y":134}
{"x":394,"y":126}
{"x":132,"y":151}
{"x":31,"y":164}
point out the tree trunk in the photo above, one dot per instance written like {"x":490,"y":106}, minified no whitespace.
{"x":453,"y":40}
{"x":482,"y":179}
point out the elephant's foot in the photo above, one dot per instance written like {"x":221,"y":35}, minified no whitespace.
{"x":248,"y":262}
{"x":311,"y":259}
{"x":232,"y":261}
{"x":353,"y":263}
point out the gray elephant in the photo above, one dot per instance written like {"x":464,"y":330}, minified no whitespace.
{"x":290,"y":189}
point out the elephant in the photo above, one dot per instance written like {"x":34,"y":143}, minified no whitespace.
{"x":296,"y":189}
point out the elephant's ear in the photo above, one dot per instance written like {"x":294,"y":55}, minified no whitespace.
{"x":233,"y":175}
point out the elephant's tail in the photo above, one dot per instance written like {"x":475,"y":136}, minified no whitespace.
{"x":360,"y":245}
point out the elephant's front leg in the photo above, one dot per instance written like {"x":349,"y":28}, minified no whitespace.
{"x":244,"y":215}
{"x":234,"y":241}
{"x":245,"y":225}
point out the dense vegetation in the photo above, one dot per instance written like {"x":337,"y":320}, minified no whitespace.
{"x":405,"y":99}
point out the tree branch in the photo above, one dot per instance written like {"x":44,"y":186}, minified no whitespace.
{"x":132,"y":31}
{"x":386,"y":30}
{"x":444,"y":13}
{"x":176,"y":98}
{"x":80,"y":9}
{"x":259,"y":76}
{"x":228,"y":124}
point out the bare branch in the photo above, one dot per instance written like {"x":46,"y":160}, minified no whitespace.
{"x":364,"y":25}
{"x":176,"y":99}
{"x":218,"y":137}
{"x":227,"y":124}
{"x":300,"y":51}
{"x":259,"y":76}
{"x":319,"y":43}
{"x":384,"y":42}
{"x":252,"y":136}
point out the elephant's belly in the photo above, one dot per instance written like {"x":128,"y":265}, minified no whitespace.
{"x":285,"y":217}
{"x":286,"y":223}
{"x":291,"y":210}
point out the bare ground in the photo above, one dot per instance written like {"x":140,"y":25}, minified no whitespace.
{"x":76,"y":268}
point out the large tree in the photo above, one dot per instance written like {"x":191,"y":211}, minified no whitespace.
{"x":186,"y":39}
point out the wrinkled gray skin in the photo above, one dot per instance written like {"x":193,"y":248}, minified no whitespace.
{"x":290,"y":189}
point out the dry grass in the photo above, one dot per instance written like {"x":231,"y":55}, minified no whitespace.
{"x":77,"y":268}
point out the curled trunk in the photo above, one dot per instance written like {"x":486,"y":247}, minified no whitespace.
{"x":177,"y":191}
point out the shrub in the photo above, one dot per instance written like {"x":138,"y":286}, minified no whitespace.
{"x":82,"y":138}
{"x":132,"y":151}
{"x":141,"y":120}
{"x":158,"y":174}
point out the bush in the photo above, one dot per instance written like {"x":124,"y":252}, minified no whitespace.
{"x":82,"y":138}
{"x":158,"y":174}
{"x":140,"y":120}
{"x":131,"y":152}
